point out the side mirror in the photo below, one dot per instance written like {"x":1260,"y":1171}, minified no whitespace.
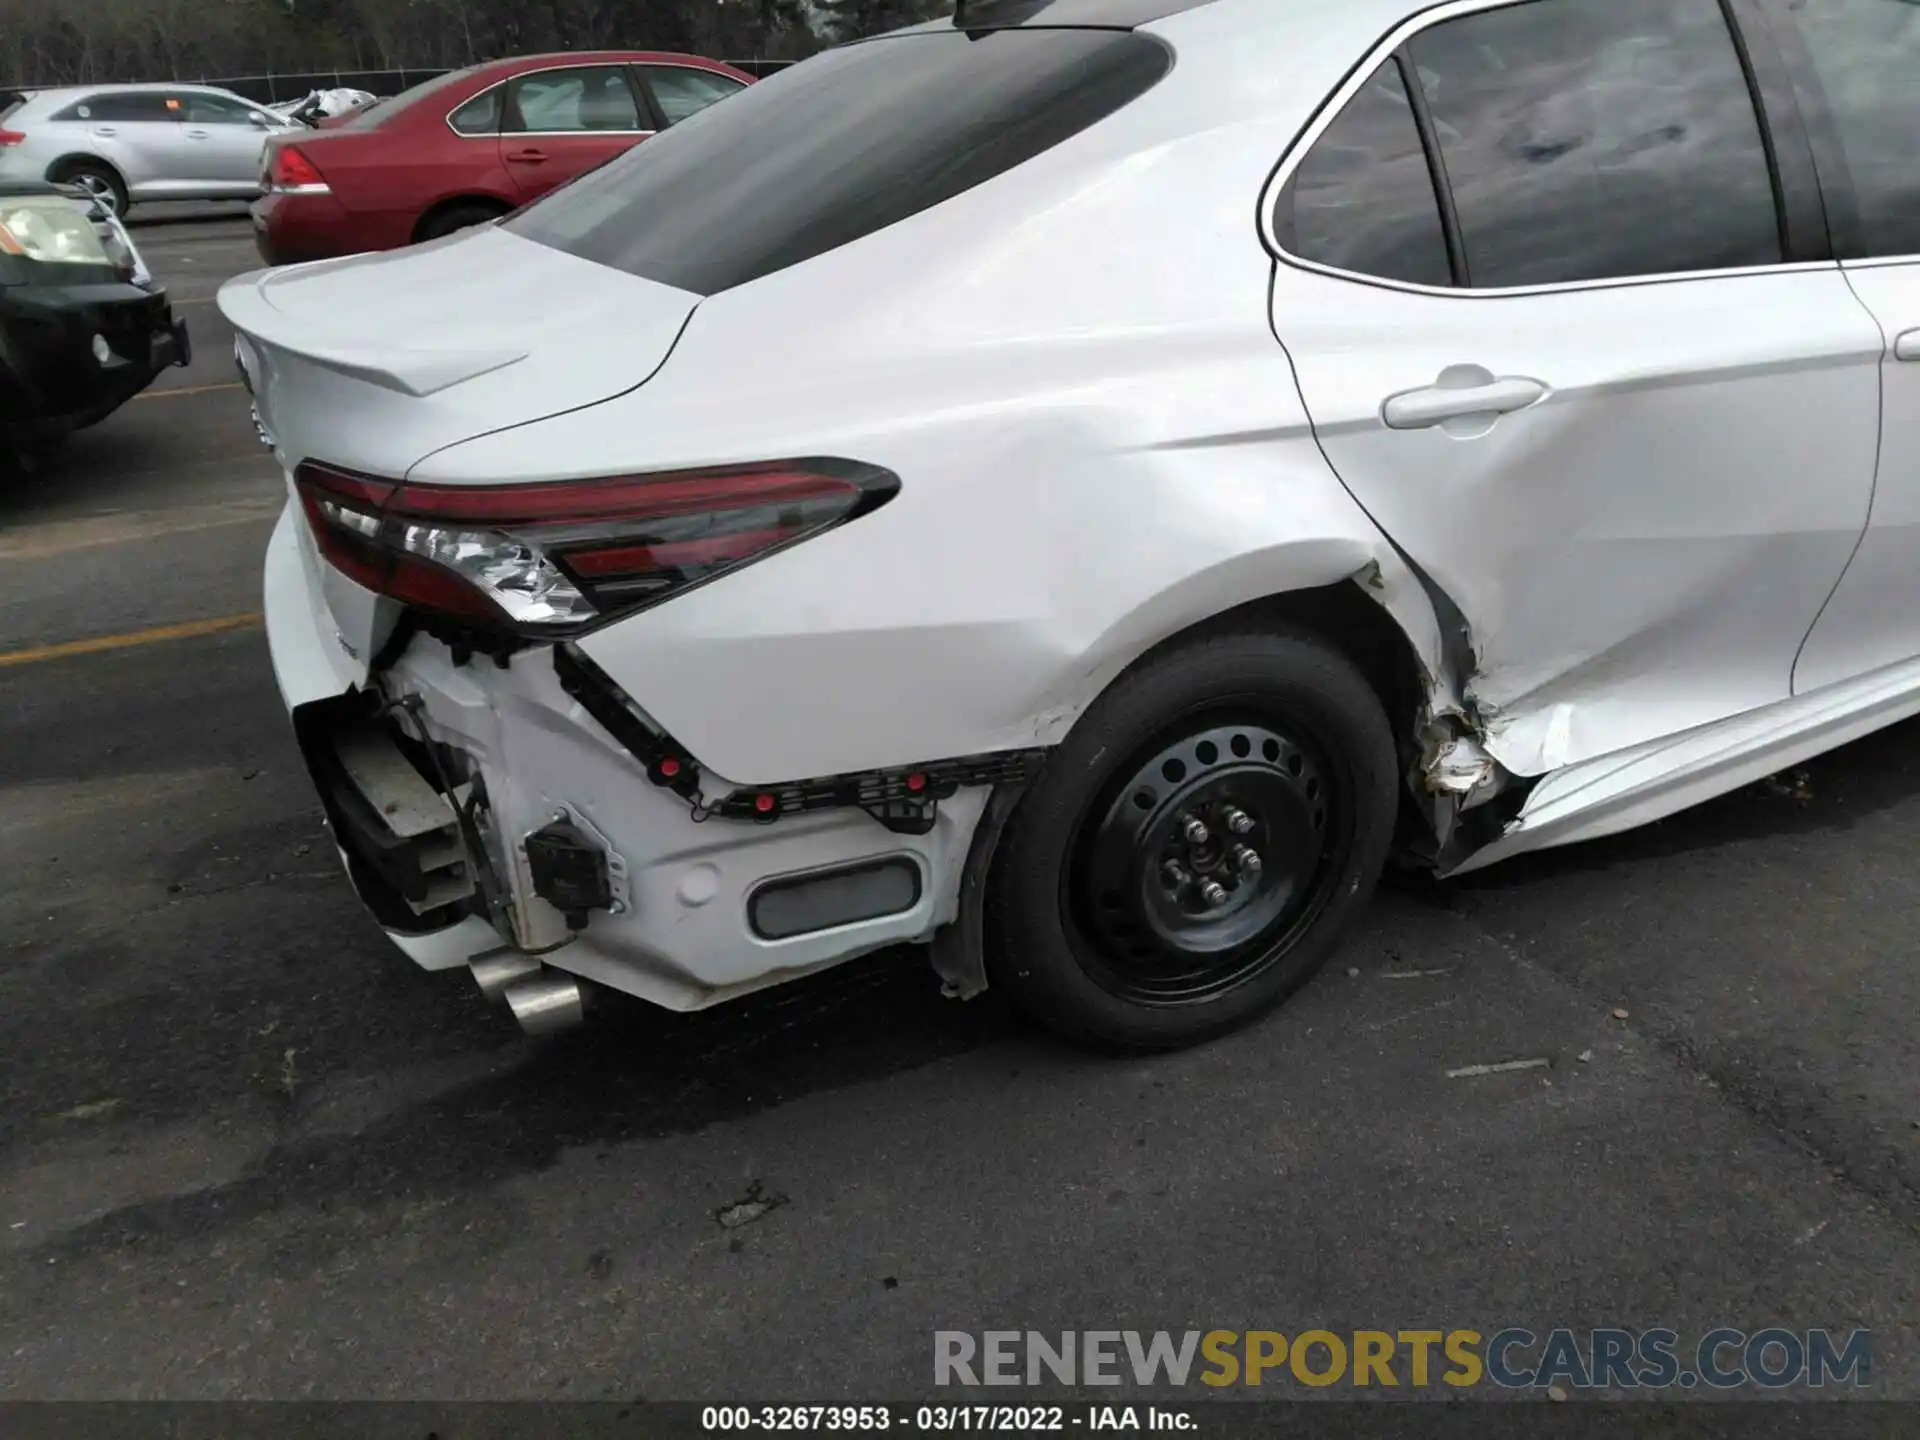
{"x":259,"y":121}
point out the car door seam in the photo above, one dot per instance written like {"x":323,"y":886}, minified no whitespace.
{"x":1873,"y":490}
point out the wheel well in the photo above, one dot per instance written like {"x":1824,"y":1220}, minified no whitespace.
{"x":61,"y":165}
{"x":1358,"y":627}
{"x":459,"y":202}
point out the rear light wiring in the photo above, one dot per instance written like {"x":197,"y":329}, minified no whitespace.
{"x":904,"y":799}
{"x":524,"y":563}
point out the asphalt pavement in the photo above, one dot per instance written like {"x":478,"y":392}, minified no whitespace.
{"x":246,"y":1150}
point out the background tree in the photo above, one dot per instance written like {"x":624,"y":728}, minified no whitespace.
{"x":60,"y":42}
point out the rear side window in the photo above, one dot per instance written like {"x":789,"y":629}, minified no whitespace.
{"x":578,"y":98}
{"x":837,"y":147}
{"x":1861,"y":82}
{"x":1363,"y":199}
{"x":480,"y":115}
{"x":1598,"y":141}
{"x":681,"y":91}
{"x":125,"y":107}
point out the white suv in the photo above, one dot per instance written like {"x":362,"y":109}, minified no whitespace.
{"x":128,"y":143}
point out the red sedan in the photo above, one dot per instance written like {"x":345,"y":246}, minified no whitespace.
{"x":469,"y":147}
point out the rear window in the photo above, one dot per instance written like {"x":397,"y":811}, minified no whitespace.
{"x":374,"y":116}
{"x":847,"y":143}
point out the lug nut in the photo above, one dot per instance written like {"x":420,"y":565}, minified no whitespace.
{"x":1196,"y":831}
{"x":1239,"y":822}
{"x":1245,"y":860}
{"x":1214,"y":893}
{"x":1175,"y":873}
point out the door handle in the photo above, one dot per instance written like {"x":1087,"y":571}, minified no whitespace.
{"x":196,"y":134}
{"x":1437,"y":404}
{"x":1907,"y":347}
{"x":105,"y":130}
{"x":530,"y":157}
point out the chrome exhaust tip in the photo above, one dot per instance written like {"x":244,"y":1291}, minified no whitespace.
{"x":547,"y":1005}
{"x":494,"y":972}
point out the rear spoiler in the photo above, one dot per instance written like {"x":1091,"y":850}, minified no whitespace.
{"x":976,"y":16}
{"x":245,"y":303}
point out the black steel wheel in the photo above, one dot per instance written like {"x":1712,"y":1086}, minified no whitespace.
{"x":1194,"y":849}
{"x":1199,"y":866}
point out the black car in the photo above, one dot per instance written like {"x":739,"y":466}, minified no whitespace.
{"x":83,"y":326}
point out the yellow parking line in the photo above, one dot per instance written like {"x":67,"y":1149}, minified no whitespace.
{"x":188,"y":390}
{"x":185,"y":630}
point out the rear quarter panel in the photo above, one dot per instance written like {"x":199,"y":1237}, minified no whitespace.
{"x":1100,"y":443}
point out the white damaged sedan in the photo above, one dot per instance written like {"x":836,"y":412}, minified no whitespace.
{"x":1086,"y":482}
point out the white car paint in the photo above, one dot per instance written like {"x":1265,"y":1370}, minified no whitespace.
{"x":1870,"y":622}
{"x":1074,"y":369}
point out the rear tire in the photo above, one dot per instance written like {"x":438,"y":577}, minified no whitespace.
{"x":455,"y":218}
{"x":1114,"y":919}
{"x":99,"y":180}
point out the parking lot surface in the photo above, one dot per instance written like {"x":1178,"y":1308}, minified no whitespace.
{"x":246,"y":1150}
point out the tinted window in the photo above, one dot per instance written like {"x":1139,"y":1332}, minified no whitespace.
{"x":216,"y":110}
{"x":681,"y":91}
{"x":125,"y":107}
{"x":840,"y":146}
{"x":1593,"y":141}
{"x":480,"y":115}
{"x":1864,"y":58}
{"x":585,"y":97}
{"x":1363,"y":199}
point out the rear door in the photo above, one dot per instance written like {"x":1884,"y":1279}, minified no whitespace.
{"x":1856,"y":66}
{"x":139,"y":132}
{"x":226,"y":140}
{"x":562,"y":122}
{"x":1592,"y":370}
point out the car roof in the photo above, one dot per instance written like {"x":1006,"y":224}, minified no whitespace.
{"x":592,"y":57}
{"x":63,"y":92}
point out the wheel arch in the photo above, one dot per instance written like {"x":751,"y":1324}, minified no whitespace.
{"x":85,"y":157}
{"x":1362,"y":598}
{"x":475,"y":199}
{"x":1390,"y":633}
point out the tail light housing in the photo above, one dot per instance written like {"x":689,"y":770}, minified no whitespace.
{"x":552,"y":559}
{"x":11,"y":137}
{"x":288,"y":168}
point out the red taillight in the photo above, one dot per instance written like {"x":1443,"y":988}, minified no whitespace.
{"x":292,"y":170}
{"x":553,"y":558}
{"x":12,"y":137}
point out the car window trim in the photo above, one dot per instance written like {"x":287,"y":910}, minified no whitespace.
{"x":1451,"y":230}
{"x":510,"y":102}
{"x":1822,"y":130}
{"x":644,"y":82}
{"x":1788,"y":199}
{"x":172,"y":117}
{"x":650,"y":102}
{"x":493,"y":134}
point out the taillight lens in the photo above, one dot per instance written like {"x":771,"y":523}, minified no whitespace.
{"x":551,"y":559}
{"x":292,"y":170}
{"x":11,"y":137}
